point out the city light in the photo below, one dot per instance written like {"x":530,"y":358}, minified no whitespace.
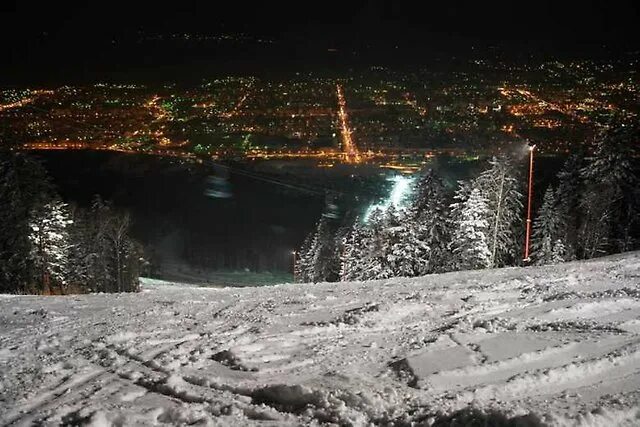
{"x":25,"y":101}
{"x":385,"y":122}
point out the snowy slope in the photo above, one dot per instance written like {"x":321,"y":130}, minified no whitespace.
{"x":558,"y":344}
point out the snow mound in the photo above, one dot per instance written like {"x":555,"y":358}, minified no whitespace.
{"x":555,"y":345}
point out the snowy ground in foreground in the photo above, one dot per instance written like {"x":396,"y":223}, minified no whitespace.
{"x":216,"y":278}
{"x":559,"y":342}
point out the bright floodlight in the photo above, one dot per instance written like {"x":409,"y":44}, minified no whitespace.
{"x":397,"y":198}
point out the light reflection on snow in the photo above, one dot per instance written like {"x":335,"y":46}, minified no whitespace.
{"x":397,"y":198}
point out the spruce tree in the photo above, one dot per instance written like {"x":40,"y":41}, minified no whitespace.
{"x":24,"y":187}
{"x":50,"y":245}
{"x":319,"y":260}
{"x":376,"y":263}
{"x":427,"y":216}
{"x":368,"y":250}
{"x":546,"y":231}
{"x":42,"y":248}
{"x":355,"y":252}
{"x":609,"y":202}
{"x":594,"y":235}
{"x":404,"y":250}
{"x":303,"y":266}
{"x":558,"y":253}
{"x":454,"y":217}
{"x":81,"y":255}
{"x":501,"y":189}
{"x":406,"y":254}
{"x":568,"y":197}
{"x":469,"y":241}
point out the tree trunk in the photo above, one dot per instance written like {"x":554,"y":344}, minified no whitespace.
{"x":497,"y":220}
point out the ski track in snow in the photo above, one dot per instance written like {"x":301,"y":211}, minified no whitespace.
{"x":561,"y":343}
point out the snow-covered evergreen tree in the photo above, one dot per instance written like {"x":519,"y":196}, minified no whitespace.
{"x":610,"y":163}
{"x":80,"y":254}
{"x":117,"y":234}
{"x":50,"y":244}
{"x":400,"y":252}
{"x":303,"y":265}
{"x":469,"y":241}
{"x":558,"y":253}
{"x":546,"y":230}
{"x":374,"y":264}
{"x":97,"y":247}
{"x":501,"y":189}
{"x":568,"y":197}
{"x":319,"y":259}
{"x":105,"y":257}
{"x":325,"y":267}
{"x":609,"y":202}
{"x":405,"y":253}
{"x":355,"y":252}
{"x":42,"y":247}
{"x":372,"y":256}
{"x":24,"y":186}
{"x":454,"y":216}
{"x":594,"y":235}
{"x":427,"y":216}
{"x":341,"y":239}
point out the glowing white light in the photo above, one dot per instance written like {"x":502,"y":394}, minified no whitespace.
{"x":397,"y":198}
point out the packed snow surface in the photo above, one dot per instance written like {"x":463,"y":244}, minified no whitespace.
{"x":556,"y":345}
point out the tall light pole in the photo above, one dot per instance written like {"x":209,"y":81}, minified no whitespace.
{"x":293,"y":255}
{"x":527,"y":242}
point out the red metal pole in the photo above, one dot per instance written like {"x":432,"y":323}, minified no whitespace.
{"x":528,"y":236}
{"x":294,"y":265}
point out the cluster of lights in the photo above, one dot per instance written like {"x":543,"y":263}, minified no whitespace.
{"x":414,"y":104}
{"x":303,"y":112}
{"x":25,"y":101}
{"x":160,"y":115}
{"x":234,"y":111}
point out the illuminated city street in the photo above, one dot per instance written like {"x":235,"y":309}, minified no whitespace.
{"x":348,"y":146}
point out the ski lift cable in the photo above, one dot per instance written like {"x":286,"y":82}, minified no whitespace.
{"x":265,"y":178}
{"x":269,"y":180}
{"x":321,"y":190}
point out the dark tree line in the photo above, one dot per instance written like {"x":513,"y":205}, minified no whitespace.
{"x":47,"y":246}
{"x":591,"y":210}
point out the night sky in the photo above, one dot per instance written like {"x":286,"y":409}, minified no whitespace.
{"x":73,"y":38}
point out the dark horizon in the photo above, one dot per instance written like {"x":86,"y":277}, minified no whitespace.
{"x":77,"y":42}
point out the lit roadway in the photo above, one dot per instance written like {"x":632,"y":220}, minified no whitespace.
{"x":236,"y":109}
{"x":348,"y":147}
{"x":551,"y":105}
{"x":411,"y":101}
{"x":25,"y":101}
{"x":160,"y":117}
